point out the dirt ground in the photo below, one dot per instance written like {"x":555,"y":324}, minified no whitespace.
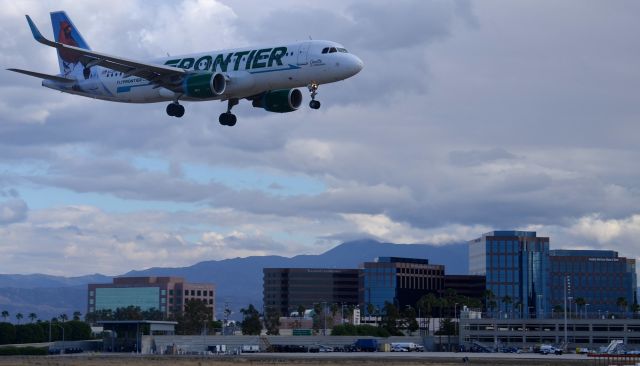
{"x":124,"y":360}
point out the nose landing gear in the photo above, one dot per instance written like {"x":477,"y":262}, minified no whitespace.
{"x":313,"y":88}
{"x":228,"y":118}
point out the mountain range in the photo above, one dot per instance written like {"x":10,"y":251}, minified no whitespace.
{"x":238,"y":281}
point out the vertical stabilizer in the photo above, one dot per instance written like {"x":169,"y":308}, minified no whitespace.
{"x":66,"y":32}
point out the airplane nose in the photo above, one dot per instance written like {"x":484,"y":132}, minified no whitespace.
{"x":358,"y":64}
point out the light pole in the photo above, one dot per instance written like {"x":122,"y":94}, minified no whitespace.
{"x":565,"y":311}
{"x":61,"y":327}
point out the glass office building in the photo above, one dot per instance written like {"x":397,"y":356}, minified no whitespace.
{"x":166,"y":294}
{"x":399,"y":281}
{"x":599,"y":277}
{"x":516,"y":266}
{"x":285,"y":289}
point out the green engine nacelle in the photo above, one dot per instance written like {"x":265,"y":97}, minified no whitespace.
{"x":204,"y":85}
{"x":279,"y":101}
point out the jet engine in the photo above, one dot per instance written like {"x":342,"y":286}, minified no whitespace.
{"x":204,"y":85}
{"x":279,"y":101}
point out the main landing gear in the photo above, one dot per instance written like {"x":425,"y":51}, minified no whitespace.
{"x":228,"y":118}
{"x":313,"y":88}
{"x":175,"y":110}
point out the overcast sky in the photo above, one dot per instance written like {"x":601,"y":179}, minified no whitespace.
{"x":469,"y":116}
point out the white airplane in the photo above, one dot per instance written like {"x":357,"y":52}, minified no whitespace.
{"x":265,"y":75}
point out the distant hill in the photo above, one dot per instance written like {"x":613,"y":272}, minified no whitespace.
{"x":238,"y":280}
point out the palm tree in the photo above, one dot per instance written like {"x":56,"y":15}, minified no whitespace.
{"x":489,"y":298}
{"x":5,"y":315}
{"x":507,"y":301}
{"x":63,"y":317}
{"x":19,"y":317}
{"x":33,"y":317}
{"x":622,"y":304}
{"x":558,"y":309}
{"x":77,"y":315}
{"x":580,"y":303}
{"x":425,"y":304}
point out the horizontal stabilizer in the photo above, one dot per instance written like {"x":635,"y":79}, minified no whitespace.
{"x":55,"y":78}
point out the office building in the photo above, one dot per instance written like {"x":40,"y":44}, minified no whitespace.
{"x":399,"y":281}
{"x":516,"y":266}
{"x":286,"y":289}
{"x":466,"y":285}
{"x":597,"y":279}
{"x":167,"y":294}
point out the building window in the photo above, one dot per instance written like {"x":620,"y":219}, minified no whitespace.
{"x":211,"y":293}
{"x":170,"y":292}
{"x":199,"y":293}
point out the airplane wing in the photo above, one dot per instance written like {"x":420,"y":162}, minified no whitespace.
{"x":55,"y":78}
{"x":165,"y":76}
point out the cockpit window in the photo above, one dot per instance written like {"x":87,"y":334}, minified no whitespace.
{"x":344,"y":50}
{"x":325,"y":50}
{"x":332,"y":50}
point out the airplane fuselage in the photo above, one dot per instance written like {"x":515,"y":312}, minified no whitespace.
{"x":248,"y":71}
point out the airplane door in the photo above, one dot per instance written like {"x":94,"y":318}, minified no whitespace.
{"x":303,"y":53}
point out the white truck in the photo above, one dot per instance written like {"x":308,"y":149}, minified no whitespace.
{"x":407,"y":347}
{"x":250,"y":348}
{"x":547,"y":349}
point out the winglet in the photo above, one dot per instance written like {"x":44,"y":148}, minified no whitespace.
{"x":36,"y":33}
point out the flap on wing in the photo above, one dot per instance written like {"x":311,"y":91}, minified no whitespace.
{"x":55,"y":78}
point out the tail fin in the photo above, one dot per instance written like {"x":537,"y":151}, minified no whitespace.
{"x":65,"y":32}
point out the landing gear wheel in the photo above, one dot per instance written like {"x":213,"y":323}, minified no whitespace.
{"x":175,"y":110}
{"x":227,"y":119}
{"x":313,"y":89}
{"x":179,"y":110}
{"x":86,"y":73}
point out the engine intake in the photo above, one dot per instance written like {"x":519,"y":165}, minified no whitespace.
{"x":279,"y":101}
{"x":204,"y":85}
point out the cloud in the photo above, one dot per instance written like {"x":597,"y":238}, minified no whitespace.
{"x":468,"y":116}
{"x":13,"y":210}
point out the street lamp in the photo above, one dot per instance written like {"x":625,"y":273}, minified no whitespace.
{"x":61,"y":327}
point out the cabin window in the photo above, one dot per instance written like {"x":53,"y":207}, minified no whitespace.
{"x":332,"y":50}
{"x":343,"y":50}
{"x":325,"y":50}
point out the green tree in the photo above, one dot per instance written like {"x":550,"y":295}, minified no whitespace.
{"x":33,"y":317}
{"x":5,"y":315}
{"x":128,"y":313}
{"x":153,"y":314}
{"x":580,"y":303}
{"x":251,"y":324}
{"x":63,"y":317}
{"x":272,"y":321}
{"x":621,"y":303}
{"x":7,"y":333}
{"x":29,"y":333}
{"x":194,"y":318}
{"x":301,"y":310}
{"x":409,"y":315}
{"x":426,"y":305}
{"x":370,"y":309}
{"x":334,"y":310}
{"x":19,"y":317}
{"x":77,"y":315}
{"x":390,"y":318}
{"x":489,"y":298}
{"x":507,"y":301}
{"x":318,"y":317}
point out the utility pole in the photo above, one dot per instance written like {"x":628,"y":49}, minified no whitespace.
{"x":565,"y":311}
